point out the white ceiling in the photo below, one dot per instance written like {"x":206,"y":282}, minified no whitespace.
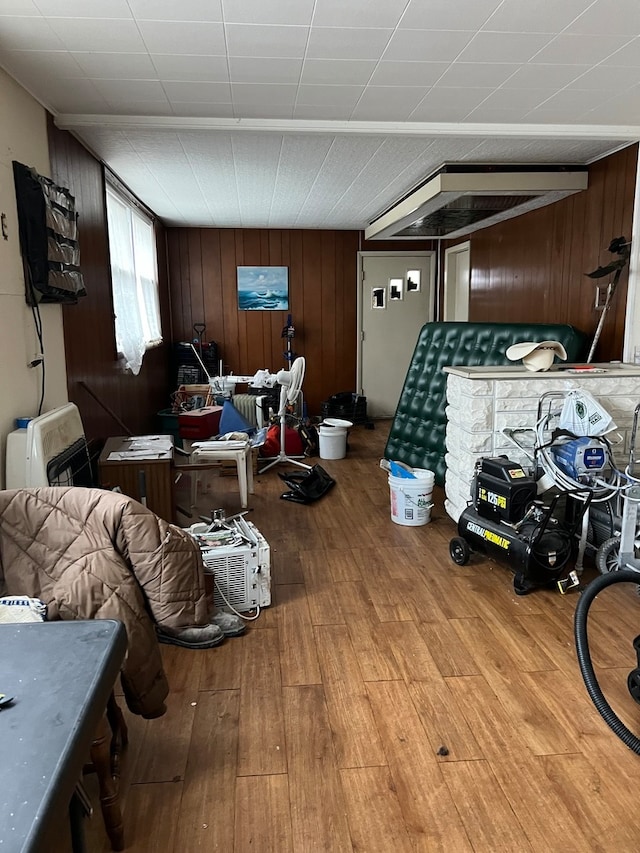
{"x":321,"y":113}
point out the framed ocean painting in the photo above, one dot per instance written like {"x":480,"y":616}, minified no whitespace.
{"x":263,"y":288}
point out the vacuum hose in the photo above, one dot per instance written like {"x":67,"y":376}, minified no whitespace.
{"x":584,"y":657}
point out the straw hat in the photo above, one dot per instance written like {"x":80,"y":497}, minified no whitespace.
{"x":537,"y":355}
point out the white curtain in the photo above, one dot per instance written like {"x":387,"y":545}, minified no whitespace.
{"x":134,"y":281}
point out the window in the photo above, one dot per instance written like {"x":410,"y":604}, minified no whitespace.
{"x":134,"y":279}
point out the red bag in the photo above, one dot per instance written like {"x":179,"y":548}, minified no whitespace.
{"x":292,"y":442}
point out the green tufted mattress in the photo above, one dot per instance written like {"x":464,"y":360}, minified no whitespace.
{"x":417,"y":435}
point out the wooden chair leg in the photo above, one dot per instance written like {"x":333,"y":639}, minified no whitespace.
{"x":102,"y":760}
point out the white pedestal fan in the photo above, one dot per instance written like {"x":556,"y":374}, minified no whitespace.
{"x":290,"y":386}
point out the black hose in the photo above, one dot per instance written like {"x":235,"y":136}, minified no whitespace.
{"x":584,"y":657}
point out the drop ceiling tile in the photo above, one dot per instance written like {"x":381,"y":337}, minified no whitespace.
{"x":219,"y":93}
{"x":19,"y":7}
{"x":477,"y":73}
{"x":327,"y":112}
{"x":78,"y":34}
{"x":576,"y":99}
{"x":452,"y":97}
{"x":628,"y":56}
{"x":141,"y":108}
{"x":256,"y":93}
{"x":179,"y":68}
{"x":605,"y":18}
{"x":205,"y":39}
{"x":296,"y":12}
{"x":579,"y":49}
{"x":427,"y":45}
{"x":395,"y":73}
{"x":504,"y":47}
{"x":534,"y":16}
{"x":84,"y":9}
{"x":169,"y":10}
{"x":388,"y":103}
{"x":345,"y":71}
{"x":347,"y":43}
{"x":355,"y":12}
{"x":517,"y":99}
{"x":60,"y":94}
{"x":34,"y":64}
{"x":540,"y":76}
{"x":254,"y":40}
{"x":265,"y":70}
{"x":606,"y":77}
{"x":445,"y":15}
{"x":121,"y":91}
{"x":496,"y":116}
{"x":545,"y":115}
{"x":439,"y":113}
{"x":28,"y":33}
{"x":203,"y":109}
{"x":339,"y":95}
{"x":263,"y":110}
{"x":134,"y":66}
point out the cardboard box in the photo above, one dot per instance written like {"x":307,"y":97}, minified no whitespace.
{"x":200,"y":424}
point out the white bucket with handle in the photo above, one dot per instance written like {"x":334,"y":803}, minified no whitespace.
{"x":411,"y":498}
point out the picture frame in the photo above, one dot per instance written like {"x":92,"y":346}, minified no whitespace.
{"x":263,"y":288}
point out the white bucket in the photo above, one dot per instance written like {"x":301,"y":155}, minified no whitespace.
{"x":333,"y":442}
{"x":411,"y":499}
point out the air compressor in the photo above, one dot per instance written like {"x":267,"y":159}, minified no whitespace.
{"x":508,"y":520}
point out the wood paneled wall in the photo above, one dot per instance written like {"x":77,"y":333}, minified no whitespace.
{"x":89,"y":334}
{"x":322,"y":300}
{"x":532,"y":268}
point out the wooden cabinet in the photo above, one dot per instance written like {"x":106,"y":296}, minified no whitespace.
{"x":147,"y":477}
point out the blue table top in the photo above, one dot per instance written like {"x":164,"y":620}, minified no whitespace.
{"x":60,"y":675}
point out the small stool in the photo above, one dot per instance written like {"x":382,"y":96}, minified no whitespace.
{"x":220,"y":450}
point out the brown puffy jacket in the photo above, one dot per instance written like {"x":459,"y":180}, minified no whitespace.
{"x":93,"y":554}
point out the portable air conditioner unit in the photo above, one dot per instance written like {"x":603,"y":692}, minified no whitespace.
{"x":52,"y":450}
{"x":241,"y":573}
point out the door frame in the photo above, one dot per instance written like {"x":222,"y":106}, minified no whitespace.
{"x":452,"y":250}
{"x":425,"y":253}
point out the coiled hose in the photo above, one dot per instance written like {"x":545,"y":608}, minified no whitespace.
{"x":584,"y":657}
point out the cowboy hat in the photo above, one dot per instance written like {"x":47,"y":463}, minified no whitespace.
{"x":537,"y":355}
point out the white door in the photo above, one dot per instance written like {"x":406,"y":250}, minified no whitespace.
{"x":396,"y":300}
{"x":457,"y":270}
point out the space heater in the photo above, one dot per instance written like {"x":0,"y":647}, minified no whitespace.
{"x":51,"y":451}
{"x":242,"y":572}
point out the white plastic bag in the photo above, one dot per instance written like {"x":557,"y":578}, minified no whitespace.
{"x":583,"y":415}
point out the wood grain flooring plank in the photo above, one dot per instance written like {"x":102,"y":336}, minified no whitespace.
{"x":221,"y":667}
{"x":206,"y":817}
{"x":150,"y":818}
{"x":261,"y":745}
{"x":520,"y":775}
{"x":298,"y":656}
{"x":542,"y":732}
{"x":167,"y":738}
{"x":323,"y":596}
{"x":428,"y":809}
{"x":318,"y":807}
{"x":487,"y":817}
{"x":375,"y":817}
{"x":263,"y":816}
{"x":355,"y":737}
{"x":597,"y":800}
{"x":451,"y":656}
{"x":375,"y":658}
{"x":343,"y":565}
{"x":414,"y":660}
{"x":444,"y":722}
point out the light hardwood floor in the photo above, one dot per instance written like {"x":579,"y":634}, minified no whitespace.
{"x":320,"y":729}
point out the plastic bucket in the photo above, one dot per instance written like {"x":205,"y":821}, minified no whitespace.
{"x":338,"y":423}
{"x":411,"y":499}
{"x":333,"y":442}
